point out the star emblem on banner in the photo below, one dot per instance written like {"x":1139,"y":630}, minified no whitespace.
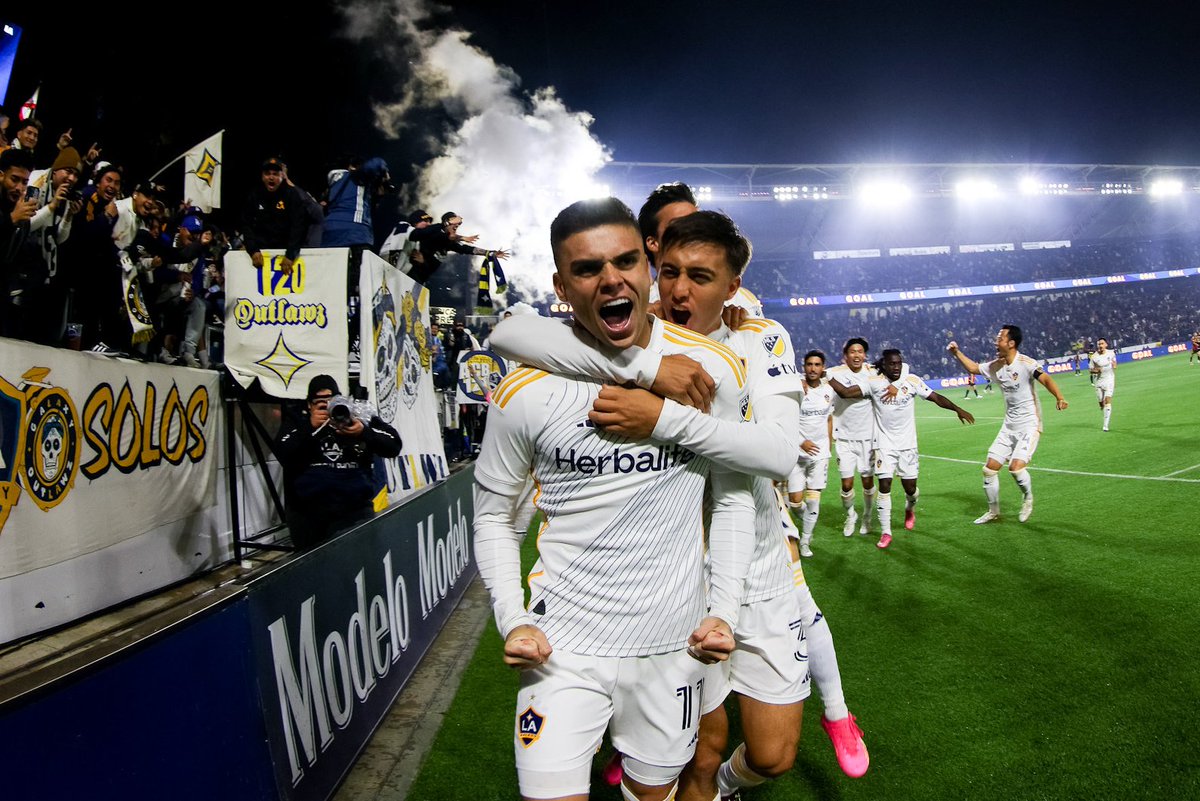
{"x":207,"y":171}
{"x":283,"y":361}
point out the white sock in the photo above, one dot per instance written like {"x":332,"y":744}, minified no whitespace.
{"x":812,"y":510}
{"x":883,"y":505}
{"x":869,"y":500}
{"x":1107,"y":415}
{"x":991,"y":488}
{"x":911,"y":500}
{"x":735,"y":774}
{"x":823,"y":665}
{"x":1024,"y":482}
{"x":848,"y":501}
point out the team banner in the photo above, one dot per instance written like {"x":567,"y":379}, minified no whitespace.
{"x":479,"y":373}
{"x":202,"y":174}
{"x":94,"y":451}
{"x":397,"y":371}
{"x":283,"y":328}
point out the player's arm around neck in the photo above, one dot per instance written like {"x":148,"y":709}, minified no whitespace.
{"x":767,"y":447}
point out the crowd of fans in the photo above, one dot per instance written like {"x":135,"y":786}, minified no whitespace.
{"x":92,"y":259}
{"x":895,"y":273}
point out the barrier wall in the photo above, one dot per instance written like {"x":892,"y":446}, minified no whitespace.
{"x":270,"y":694}
{"x":1064,"y":364}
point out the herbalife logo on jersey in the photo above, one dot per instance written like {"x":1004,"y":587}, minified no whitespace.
{"x":618,"y":461}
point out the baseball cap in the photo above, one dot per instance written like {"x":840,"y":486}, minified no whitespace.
{"x":322,"y":382}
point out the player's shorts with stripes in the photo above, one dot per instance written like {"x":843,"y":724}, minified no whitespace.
{"x":853,"y":457}
{"x":770,"y":663}
{"x":1105,"y":389}
{"x":1010,"y":445}
{"x":808,"y":474}
{"x":650,"y":706}
{"x":904,"y":463}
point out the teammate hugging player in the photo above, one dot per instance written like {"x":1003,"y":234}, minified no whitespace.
{"x":1022,"y":427}
{"x":1104,"y":362}
{"x":598,"y":649}
{"x":700,"y":261}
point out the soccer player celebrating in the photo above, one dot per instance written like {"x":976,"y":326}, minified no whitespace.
{"x":854,"y":430}
{"x":811,"y":472}
{"x":1022,"y":426}
{"x":700,"y":262}
{"x":618,"y":623}
{"x":1104,"y":363}
{"x":896,"y":436}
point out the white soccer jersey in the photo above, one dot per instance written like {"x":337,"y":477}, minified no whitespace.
{"x":766,"y":349}
{"x":1106,"y":362}
{"x":852,"y":418}
{"x":1022,"y":407}
{"x":620,"y":567}
{"x":895,"y":418}
{"x":815,"y":409}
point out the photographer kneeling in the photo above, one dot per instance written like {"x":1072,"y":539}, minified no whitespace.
{"x":328,"y":463}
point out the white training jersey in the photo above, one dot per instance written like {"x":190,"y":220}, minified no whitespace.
{"x":1106,"y":362}
{"x":852,"y":418}
{"x":766,"y":349}
{"x":620,"y":556}
{"x":815,"y":409}
{"x":895,"y":417}
{"x":1018,"y":381}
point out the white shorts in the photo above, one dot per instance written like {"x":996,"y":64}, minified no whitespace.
{"x":1104,"y":389}
{"x":649,"y":704}
{"x":889,"y":463}
{"x":1012,"y":445}
{"x":853,"y":456}
{"x":770,"y":663}
{"x":809,"y":474}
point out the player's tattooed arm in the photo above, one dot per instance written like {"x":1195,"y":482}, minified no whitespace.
{"x":963,"y":415}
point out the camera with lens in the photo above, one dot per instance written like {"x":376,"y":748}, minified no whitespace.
{"x":74,"y":195}
{"x":344,"y":410}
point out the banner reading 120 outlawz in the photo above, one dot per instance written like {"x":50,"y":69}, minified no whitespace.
{"x":94,"y":451}
{"x":284,"y":328}
{"x":399,"y":375}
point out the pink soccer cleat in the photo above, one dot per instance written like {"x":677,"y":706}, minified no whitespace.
{"x":848,"y":745}
{"x":884,"y":541}
{"x":612,"y":772}
{"x":910,"y":519}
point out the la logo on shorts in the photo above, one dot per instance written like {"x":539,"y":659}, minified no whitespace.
{"x":529,"y":726}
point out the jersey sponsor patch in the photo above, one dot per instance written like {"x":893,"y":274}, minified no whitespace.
{"x":529,"y":726}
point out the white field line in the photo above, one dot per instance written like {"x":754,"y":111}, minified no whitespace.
{"x":1075,"y":472}
{"x":1184,"y":470}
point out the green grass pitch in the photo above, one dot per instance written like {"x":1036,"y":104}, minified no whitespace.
{"x":1056,"y":659}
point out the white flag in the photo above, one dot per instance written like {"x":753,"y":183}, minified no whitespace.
{"x":29,"y":109}
{"x":202,"y":174}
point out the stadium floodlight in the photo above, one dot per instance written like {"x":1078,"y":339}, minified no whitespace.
{"x":976,"y":189}
{"x":1166,"y":187}
{"x":1030,"y":185}
{"x":785,"y":192}
{"x":884,"y":193}
{"x":1116,"y":188}
{"x":703,"y":192}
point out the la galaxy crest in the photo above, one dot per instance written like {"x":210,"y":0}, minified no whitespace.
{"x":39,"y":442}
{"x":774,"y":345}
{"x":529,"y":726}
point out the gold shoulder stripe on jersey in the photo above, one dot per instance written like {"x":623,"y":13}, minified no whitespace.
{"x":755,"y":325}
{"x":520,"y":379}
{"x":682,"y":336}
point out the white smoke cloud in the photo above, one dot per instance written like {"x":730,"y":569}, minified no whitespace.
{"x":514,"y":160}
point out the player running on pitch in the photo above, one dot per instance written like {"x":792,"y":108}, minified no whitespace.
{"x":1022,"y":427}
{"x":811,"y":472}
{"x":896,"y":436}
{"x":1104,"y":364}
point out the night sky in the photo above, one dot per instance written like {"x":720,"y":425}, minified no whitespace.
{"x":771,"y":82}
